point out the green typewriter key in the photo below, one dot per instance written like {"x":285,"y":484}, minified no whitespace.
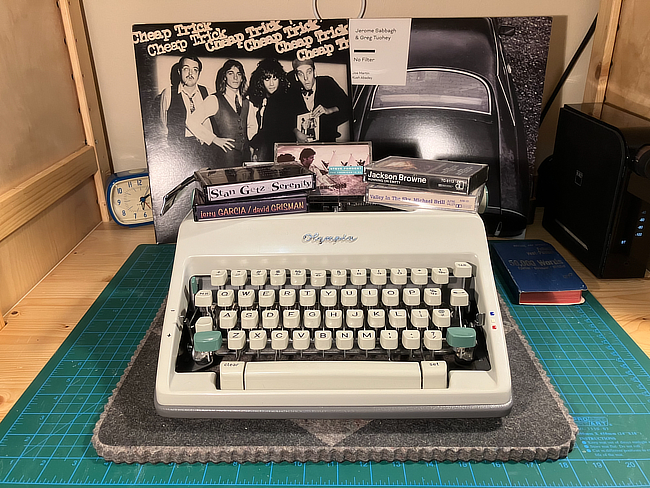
{"x":207,"y":341}
{"x":461,"y":337}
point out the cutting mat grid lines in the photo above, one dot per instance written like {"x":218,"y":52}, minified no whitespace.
{"x":592,"y":366}
{"x":598,"y":370}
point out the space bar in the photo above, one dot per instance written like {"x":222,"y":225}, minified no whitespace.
{"x":331,"y":375}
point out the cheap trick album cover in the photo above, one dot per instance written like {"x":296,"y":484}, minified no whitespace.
{"x":220,"y":94}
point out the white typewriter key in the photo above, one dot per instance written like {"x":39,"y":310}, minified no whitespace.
{"x":462,"y":270}
{"x":333,"y":319}
{"x":225,"y":298}
{"x":270,"y":319}
{"x":369,"y":297}
{"x":318,"y":277}
{"x":266,"y":298}
{"x":307,"y":297}
{"x":257,"y":339}
{"x":227,"y":319}
{"x":440,"y":276}
{"x":279,"y":340}
{"x":328,"y":297}
{"x":203,"y":298}
{"x":278,"y":277}
{"x":298,"y":277}
{"x":433,"y":340}
{"x":300,"y":340}
{"x":311,"y":319}
{"x":245,"y":298}
{"x":354,"y":318}
{"x":323,"y":340}
{"x":411,"y":296}
{"x":434,"y":374}
{"x":398,"y":276}
{"x":238,"y":277}
{"x":420,"y":318}
{"x":388,"y":339}
{"x":358,"y":277}
{"x":366,"y":339}
{"x":236,"y":339}
{"x":344,"y":340}
{"x":291,"y":319}
{"x":231,"y":375}
{"x":441,"y":317}
{"x":218,"y":277}
{"x":249,"y":319}
{"x":203,"y":324}
{"x":339,"y":277}
{"x":390,"y":297}
{"x":376,"y":318}
{"x":419,"y":276}
{"x":258,"y":277}
{"x":433,"y":297}
{"x":378,"y":276}
{"x":397,"y":318}
{"x":287,"y":297}
{"x":349,"y":297}
{"x":411,"y":339}
{"x":458,"y":298}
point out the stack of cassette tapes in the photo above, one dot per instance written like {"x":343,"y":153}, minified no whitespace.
{"x":412,"y":183}
{"x":251,"y":190}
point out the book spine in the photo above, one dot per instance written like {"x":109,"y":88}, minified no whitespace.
{"x":456,"y":184}
{"x":264,"y":188}
{"x":421,"y":199}
{"x":250,"y":208}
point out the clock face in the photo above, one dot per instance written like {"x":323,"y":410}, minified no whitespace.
{"x":130,"y":200}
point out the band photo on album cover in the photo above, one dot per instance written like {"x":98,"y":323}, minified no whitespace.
{"x":221,"y":94}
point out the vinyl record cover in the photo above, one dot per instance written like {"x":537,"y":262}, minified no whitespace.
{"x":218,"y":94}
{"x":473,"y":93}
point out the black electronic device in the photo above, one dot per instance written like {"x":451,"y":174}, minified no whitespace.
{"x":597,"y":189}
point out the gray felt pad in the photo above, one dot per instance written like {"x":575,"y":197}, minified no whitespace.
{"x":538,"y":428}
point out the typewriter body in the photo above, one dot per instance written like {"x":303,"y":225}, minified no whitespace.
{"x":333,"y":315}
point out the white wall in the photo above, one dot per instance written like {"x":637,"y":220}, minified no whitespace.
{"x":109,"y":25}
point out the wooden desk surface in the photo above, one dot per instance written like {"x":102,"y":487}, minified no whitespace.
{"x":38,"y":325}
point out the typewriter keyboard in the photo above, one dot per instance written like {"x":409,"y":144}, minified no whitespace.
{"x":298,"y":328}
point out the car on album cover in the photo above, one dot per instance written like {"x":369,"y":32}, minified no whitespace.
{"x":458,"y":104}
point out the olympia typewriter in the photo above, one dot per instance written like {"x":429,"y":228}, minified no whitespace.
{"x":333,"y":315}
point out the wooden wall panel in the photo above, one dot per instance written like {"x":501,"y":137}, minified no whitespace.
{"x":40,"y":121}
{"x":602,"y":51}
{"x":48,"y":165}
{"x":29,"y":253}
{"x":628,"y":85}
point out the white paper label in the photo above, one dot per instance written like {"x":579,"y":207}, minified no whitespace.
{"x":379,"y":51}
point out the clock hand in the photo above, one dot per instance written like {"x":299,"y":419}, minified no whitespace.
{"x":143,"y":200}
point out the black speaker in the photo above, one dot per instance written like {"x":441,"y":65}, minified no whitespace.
{"x":597,"y":189}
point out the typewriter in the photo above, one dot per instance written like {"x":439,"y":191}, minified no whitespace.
{"x":333,"y":315}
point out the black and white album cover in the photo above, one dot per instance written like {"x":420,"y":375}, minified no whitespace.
{"x":473,"y":93}
{"x":219,"y":94}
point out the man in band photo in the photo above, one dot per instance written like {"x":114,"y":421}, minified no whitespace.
{"x":322,"y":98}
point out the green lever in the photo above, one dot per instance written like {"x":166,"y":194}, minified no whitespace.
{"x":207,"y":341}
{"x":461,"y":337}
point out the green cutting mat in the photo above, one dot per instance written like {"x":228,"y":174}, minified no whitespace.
{"x":601,"y":374}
